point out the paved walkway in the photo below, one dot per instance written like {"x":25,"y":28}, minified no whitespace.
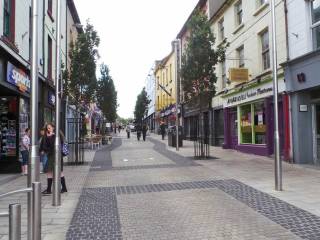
{"x":146,"y":190}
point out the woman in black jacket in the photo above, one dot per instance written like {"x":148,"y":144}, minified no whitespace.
{"x":48,"y":146}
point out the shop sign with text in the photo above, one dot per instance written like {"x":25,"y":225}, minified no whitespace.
{"x":18,"y":77}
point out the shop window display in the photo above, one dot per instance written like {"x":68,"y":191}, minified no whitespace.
{"x":246,"y":124}
{"x":253,"y":123}
{"x":8,"y":125}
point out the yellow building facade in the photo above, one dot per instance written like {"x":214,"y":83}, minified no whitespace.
{"x":165,"y":83}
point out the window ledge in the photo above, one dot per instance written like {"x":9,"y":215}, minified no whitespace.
{"x":238,"y":28}
{"x":260,"y":9}
{"x":9,"y":43}
{"x":50,"y":15}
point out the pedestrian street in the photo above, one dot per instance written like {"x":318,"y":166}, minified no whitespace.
{"x":141,"y":190}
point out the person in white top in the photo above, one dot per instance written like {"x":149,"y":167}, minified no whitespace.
{"x":25,"y":147}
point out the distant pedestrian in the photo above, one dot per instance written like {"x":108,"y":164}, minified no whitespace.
{"x":25,"y":149}
{"x":119,"y":128}
{"x":144,"y":131}
{"x":128,"y":130}
{"x":138,"y":128}
{"x":162,"y":129}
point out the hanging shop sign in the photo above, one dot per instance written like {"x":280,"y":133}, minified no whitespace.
{"x":51,"y":98}
{"x":238,"y":74}
{"x":18,"y":77}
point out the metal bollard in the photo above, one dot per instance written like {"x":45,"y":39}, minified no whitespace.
{"x":36,"y":198}
{"x":15,"y":222}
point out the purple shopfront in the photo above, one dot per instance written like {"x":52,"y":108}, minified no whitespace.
{"x":249,"y":122}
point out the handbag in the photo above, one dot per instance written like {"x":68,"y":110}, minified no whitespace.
{"x":64,"y":149}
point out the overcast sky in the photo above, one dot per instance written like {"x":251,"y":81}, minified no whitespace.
{"x":133,"y":35}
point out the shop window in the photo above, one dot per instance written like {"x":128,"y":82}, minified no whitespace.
{"x":315,"y":12}
{"x":246,"y":124}
{"x":253,"y":123}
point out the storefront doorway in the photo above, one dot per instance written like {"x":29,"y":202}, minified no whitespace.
{"x":316,"y":130}
{"x":234,"y":128}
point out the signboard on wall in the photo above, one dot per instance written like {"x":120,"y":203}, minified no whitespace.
{"x":238,"y":74}
{"x":18,"y":78}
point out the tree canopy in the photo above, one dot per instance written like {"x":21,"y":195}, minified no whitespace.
{"x":141,"y":108}
{"x":107,"y":94}
{"x":81,"y":82}
{"x":200,"y":59}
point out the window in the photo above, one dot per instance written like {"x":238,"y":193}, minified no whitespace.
{"x":158,"y":82}
{"x":9,"y":19}
{"x":167,"y":77}
{"x":265,"y":50}
{"x":253,"y":123}
{"x":170,"y":72}
{"x":240,"y":56}
{"x":262,"y":2}
{"x":238,"y":12}
{"x":49,"y":58}
{"x":158,"y":103}
{"x":221,"y":29}
{"x":315,"y":9}
{"x":50,"y":7}
{"x":223,"y":74}
{"x":163,"y":78}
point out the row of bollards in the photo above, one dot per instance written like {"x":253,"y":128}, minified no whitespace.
{"x":14,"y":213}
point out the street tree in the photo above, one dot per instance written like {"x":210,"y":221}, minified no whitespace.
{"x":107,"y":94}
{"x":199,"y":62}
{"x":141,"y":108}
{"x":81,"y":81}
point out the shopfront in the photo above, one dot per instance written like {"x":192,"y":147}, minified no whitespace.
{"x":14,"y":114}
{"x":249,"y":120}
{"x":303,"y":83}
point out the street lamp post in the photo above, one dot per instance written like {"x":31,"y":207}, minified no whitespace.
{"x":56,"y":196}
{"x":278,"y":163}
{"x":34,"y":163}
{"x":175,"y":44}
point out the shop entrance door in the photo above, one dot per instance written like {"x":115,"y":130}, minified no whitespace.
{"x":234,"y":128}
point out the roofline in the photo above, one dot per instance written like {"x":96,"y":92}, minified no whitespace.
{"x":200,"y":4}
{"x":74,"y":14}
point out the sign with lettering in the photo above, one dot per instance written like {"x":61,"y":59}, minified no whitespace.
{"x":238,"y":74}
{"x":18,"y":77}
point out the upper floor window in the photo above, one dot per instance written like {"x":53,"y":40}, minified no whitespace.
{"x":265,"y":50}
{"x":240,"y":56}
{"x":50,"y":62}
{"x":170,"y":72}
{"x":50,"y":6}
{"x":9,"y":19}
{"x":238,"y":12}
{"x":223,"y":74}
{"x":167,"y":76}
{"x":158,"y":82}
{"x":221,"y":29}
{"x":315,"y":11}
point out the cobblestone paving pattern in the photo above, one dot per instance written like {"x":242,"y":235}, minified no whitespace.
{"x":96,"y":216}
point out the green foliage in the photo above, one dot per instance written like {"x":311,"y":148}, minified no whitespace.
{"x":199,"y":59}
{"x":107,"y":94}
{"x":141,"y":108}
{"x":82,"y":81}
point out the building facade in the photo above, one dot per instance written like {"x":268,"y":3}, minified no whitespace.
{"x":244,"y":86}
{"x":166,"y":91}
{"x":15,"y":52}
{"x":151,"y":92}
{"x":302,"y":79}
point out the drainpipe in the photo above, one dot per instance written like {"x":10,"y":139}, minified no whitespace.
{"x":286,"y":26}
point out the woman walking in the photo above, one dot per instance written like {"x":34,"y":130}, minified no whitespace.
{"x":49,"y":149}
{"x":43,"y":155}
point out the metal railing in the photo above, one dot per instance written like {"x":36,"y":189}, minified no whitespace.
{"x":14,"y":213}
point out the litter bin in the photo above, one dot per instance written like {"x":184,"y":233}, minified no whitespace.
{"x":172,"y":136}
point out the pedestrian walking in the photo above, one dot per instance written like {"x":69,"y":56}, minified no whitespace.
{"x":25,"y":148}
{"x":144,"y":131}
{"x":64,"y":153}
{"x":119,"y":128}
{"x":49,"y":148}
{"x":128,"y":130}
{"x":138,"y":127}
{"x":43,"y":155}
{"x":162,"y":129}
